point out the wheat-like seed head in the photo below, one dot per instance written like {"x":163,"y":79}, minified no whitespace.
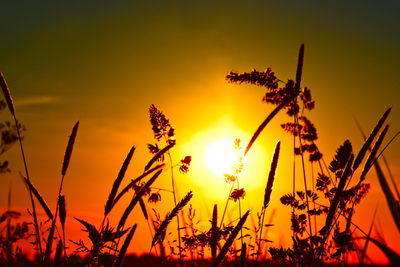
{"x":68,"y":151}
{"x":271,"y":176}
{"x":7,"y":94}
{"x":62,"y":210}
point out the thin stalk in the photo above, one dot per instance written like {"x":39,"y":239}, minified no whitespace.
{"x":266,"y":231}
{"x":50,"y":241}
{"x":226,"y":206}
{"x":332,"y":226}
{"x":391,"y":140}
{"x":151,"y":233}
{"x":391,"y":177}
{"x":328,"y":172}
{"x":53,"y":223}
{"x":55,"y":217}
{"x":294,"y":165}
{"x":174,"y":194}
{"x":313,"y":187}
{"x":344,"y":216}
{"x":261,"y":230}
{"x":304,"y":177}
{"x":187,"y":233}
{"x":35,"y":220}
{"x":162,"y":189}
{"x":10,"y":104}
{"x":9,"y":248}
{"x":294,"y":173}
{"x":240,"y":212}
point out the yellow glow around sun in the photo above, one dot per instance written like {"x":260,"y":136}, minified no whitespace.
{"x":220,"y":156}
{"x":214,"y":154}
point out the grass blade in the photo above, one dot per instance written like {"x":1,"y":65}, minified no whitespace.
{"x":124,"y":248}
{"x":271,"y":176}
{"x":243,"y":255}
{"x":392,"y":256}
{"x":391,"y":177}
{"x":364,"y":250}
{"x":118,"y":181}
{"x":68,"y":151}
{"x":391,"y":201}
{"x":336,"y":199}
{"x":136,"y":199}
{"x":372,"y":156}
{"x":10,"y":104}
{"x":230,"y":240}
{"x":39,"y":197}
{"x":57,"y":257}
{"x":133,"y":182}
{"x":49,"y":245}
{"x":265,"y":123}
{"x":368,"y":142}
{"x":160,"y":232}
{"x":158,"y":156}
{"x":214,"y":232}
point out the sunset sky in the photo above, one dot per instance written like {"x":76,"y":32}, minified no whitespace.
{"x":105,"y":62}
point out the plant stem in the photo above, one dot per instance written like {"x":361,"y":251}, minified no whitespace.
{"x":35,"y":221}
{"x":304,"y":175}
{"x":226,"y":205}
{"x":261,"y":230}
{"x":294,"y":172}
{"x":175,"y":201}
{"x":313,"y":188}
{"x":240,"y":212}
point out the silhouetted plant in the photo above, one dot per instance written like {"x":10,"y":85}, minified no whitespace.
{"x":309,"y":245}
{"x":332,"y":197}
{"x":162,"y":129}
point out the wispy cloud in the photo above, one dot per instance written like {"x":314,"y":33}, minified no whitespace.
{"x":39,"y":100}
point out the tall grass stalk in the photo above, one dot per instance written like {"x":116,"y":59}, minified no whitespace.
{"x":133,"y":183}
{"x":175,"y":203}
{"x":64,"y":168}
{"x":230,"y":240}
{"x":304,"y":179}
{"x":136,"y":199}
{"x":391,"y":177}
{"x":364,"y":250}
{"x":226,"y":206}
{"x":160,"y":232}
{"x":390,"y":199}
{"x":10,"y":104}
{"x":267,"y":193}
{"x":120,"y":259}
{"x":297,"y":86}
{"x":214,"y":232}
{"x":117,"y":182}
{"x":240,"y":215}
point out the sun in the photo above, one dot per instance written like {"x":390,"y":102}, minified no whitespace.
{"x":214,"y":154}
{"x":220,"y":157}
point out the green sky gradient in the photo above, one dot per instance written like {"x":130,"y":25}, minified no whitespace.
{"x":127,"y":52}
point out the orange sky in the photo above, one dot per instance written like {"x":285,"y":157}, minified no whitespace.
{"x":105,"y":64}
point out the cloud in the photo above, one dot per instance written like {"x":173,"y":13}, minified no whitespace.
{"x":39,"y":100}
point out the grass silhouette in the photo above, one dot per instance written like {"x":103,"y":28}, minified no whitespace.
{"x":322,"y":227}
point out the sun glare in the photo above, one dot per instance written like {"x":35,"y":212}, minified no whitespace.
{"x":220,"y":157}
{"x":213,"y":152}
